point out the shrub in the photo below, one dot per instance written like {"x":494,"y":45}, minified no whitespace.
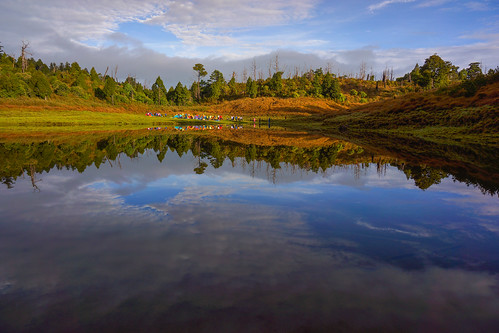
{"x":79,"y":92}
{"x":121,"y":99}
{"x":60,"y":88}
{"x":141,"y":97}
{"x":40,"y":85}
{"x":13,"y":86}
{"x":340,"y":98}
{"x":99,"y":93}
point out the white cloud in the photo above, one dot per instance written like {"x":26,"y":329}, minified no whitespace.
{"x":385,"y":3}
{"x":201,"y":22}
{"x":432,"y":3}
{"x":477,"y":6}
{"x":209,"y":23}
{"x":78,"y":20}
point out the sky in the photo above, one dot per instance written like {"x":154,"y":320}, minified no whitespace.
{"x":150,"y":38}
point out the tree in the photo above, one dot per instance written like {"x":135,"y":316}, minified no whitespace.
{"x":75,"y":68}
{"x":24,"y":52}
{"x":473,"y":71}
{"x":128,"y":90}
{"x":233,"y":91}
{"x":316,"y":90}
{"x":40,"y":66}
{"x":81,"y":81}
{"x":40,"y":85}
{"x":180,"y":95}
{"x":436,"y":72}
{"x":93,"y":75}
{"x":216,"y":85}
{"x":331,"y":87}
{"x":415,"y":74}
{"x":109,"y":88}
{"x":159,"y":90}
{"x":60,"y":88}
{"x":199,"y":68}
{"x":275,"y":83}
{"x":251,"y":88}
{"x":13,"y":86}
{"x":362,"y":70}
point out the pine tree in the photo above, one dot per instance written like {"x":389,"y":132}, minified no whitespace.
{"x":199,"y":68}
{"x":159,"y":90}
{"x":251,"y":88}
{"x":109,"y":88}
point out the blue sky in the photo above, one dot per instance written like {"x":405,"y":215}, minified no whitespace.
{"x":169,"y":37}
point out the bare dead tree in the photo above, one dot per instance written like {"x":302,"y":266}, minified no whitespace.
{"x":105,"y":73}
{"x":362,"y":71}
{"x":284,"y":69}
{"x":386,"y":72}
{"x":24,"y":52}
{"x":13,"y":56}
{"x":32,"y":174}
{"x":329,"y":68}
{"x":130,"y":80}
{"x":245,"y":74}
{"x":253,"y":68}
{"x":276,"y":63}
{"x":115,"y":77}
{"x":297,"y":72}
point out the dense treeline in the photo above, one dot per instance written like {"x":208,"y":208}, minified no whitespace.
{"x":33,"y":78}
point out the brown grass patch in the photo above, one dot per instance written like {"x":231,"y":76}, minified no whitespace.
{"x":272,"y":106}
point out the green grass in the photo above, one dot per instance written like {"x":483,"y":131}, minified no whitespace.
{"x":46,"y":120}
{"x":58,"y":118}
{"x":26,"y":121}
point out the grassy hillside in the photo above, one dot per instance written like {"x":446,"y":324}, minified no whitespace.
{"x":435,"y":115}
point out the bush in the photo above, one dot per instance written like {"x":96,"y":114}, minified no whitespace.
{"x":79,"y":92}
{"x":13,"y":86}
{"x":354,"y":92}
{"x":121,"y":99}
{"x":142,"y":98}
{"x":99,"y":93}
{"x":363,"y":94}
{"x":340,"y":98}
{"x":40,"y":85}
{"x":60,"y":88}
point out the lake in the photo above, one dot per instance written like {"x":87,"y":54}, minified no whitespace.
{"x":246,"y":231}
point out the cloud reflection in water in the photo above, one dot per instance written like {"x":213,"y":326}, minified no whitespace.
{"x":126,"y":250}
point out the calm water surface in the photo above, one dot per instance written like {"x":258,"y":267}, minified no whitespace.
{"x":140,"y":244}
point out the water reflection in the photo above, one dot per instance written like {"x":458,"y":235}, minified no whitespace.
{"x":265,"y":238}
{"x":299,"y":152}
